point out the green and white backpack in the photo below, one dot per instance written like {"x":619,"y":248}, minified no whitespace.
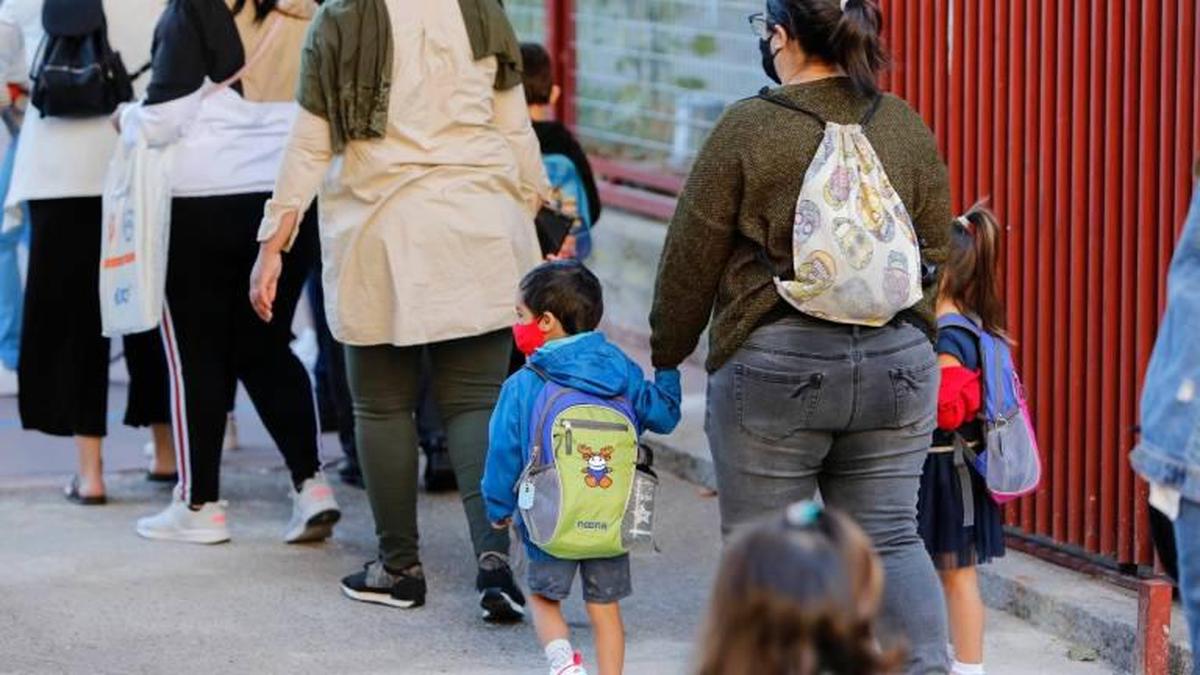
{"x":856,"y":259}
{"x":583,"y":495}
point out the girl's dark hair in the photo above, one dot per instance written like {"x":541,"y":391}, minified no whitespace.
{"x":798,"y":599}
{"x":262,"y":8}
{"x":848,"y":38}
{"x":971,"y":275}
{"x":569,"y":291}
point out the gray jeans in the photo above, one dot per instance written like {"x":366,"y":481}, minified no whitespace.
{"x":806,"y":405}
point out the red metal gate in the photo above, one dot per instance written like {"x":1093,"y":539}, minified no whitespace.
{"x":1080,"y":119}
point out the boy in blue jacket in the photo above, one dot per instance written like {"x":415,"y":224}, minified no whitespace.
{"x":559,"y":307}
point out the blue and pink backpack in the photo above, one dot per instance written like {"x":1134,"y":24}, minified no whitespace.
{"x":1009,"y":461}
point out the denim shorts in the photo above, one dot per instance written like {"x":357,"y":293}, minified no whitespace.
{"x":605,"y":580}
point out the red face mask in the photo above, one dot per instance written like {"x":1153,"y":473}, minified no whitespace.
{"x":529,"y":337}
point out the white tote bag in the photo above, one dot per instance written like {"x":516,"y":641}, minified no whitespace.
{"x":137,"y":227}
{"x":137,"y":224}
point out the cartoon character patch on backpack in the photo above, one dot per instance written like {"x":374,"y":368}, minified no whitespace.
{"x":855,"y":254}
{"x":1009,"y":462}
{"x":597,"y":471}
{"x":573,"y":498}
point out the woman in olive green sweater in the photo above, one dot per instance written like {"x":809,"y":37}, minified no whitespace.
{"x":794,"y":402}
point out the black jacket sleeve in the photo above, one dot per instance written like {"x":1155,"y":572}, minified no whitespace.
{"x":194,"y":40}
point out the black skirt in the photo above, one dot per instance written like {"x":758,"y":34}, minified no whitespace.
{"x":955,"y":536}
{"x":63,"y":371}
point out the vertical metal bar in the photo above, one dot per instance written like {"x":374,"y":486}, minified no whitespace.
{"x":970,"y":101}
{"x":560,"y":39}
{"x":1077,"y":306}
{"x":912,"y":53}
{"x":1188,"y":70}
{"x":1015,"y":197}
{"x":1168,"y":139}
{"x":1152,"y":649}
{"x":1057,"y":327}
{"x":957,"y":74}
{"x":1029,"y":517}
{"x":986,"y":76}
{"x":1116,"y":131}
{"x":928,"y":56}
{"x":1045,"y":257}
{"x":941,"y":58}
{"x":1145,"y":308}
{"x":1096,"y":309}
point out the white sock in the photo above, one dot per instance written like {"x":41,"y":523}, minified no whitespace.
{"x":560,"y":654}
{"x":961,"y":668}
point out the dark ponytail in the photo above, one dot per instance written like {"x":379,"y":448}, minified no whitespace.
{"x":262,"y":8}
{"x":971,"y":276}
{"x":848,"y":38}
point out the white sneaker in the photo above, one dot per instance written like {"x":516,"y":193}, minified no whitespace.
{"x":314,"y":512}
{"x":179,"y":523}
{"x":573,"y":668}
{"x":231,"y":436}
{"x":8,"y":382}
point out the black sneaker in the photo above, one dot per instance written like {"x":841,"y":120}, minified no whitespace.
{"x":405,"y":590}
{"x":502,"y":601}
{"x":351,"y":475}
{"x":439,"y":472}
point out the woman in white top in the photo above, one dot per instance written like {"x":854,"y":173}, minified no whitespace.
{"x":59,"y":170}
{"x":228,"y":145}
{"x":426,"y":228}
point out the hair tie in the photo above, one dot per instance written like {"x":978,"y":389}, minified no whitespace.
{"x":966,"y":224}
{"x":803,"y":514}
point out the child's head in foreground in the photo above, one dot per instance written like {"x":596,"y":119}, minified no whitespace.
{"x":557,"y":299}
{"x":797,"y":596}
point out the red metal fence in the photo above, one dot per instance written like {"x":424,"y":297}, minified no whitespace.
{"x":1080,"y":119}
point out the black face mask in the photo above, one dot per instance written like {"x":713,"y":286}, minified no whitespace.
{"x":768,"y":60}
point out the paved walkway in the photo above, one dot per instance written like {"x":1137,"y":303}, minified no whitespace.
{"x":80,"y":592}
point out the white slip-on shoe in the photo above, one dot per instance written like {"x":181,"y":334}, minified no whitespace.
{"x":177,"y":522}
{"x":314,"y":512}
{"x":8,"y":382}
{"x":230,"y":442}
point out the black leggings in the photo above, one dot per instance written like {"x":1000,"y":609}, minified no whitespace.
{"x":213,"y":338}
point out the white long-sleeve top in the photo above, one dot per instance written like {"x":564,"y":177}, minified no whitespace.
{"x":426,"y":232}
{"x":57,"y":157}
{"x":230,"y":140}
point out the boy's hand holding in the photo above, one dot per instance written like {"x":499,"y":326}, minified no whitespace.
{"x":503,"y":524}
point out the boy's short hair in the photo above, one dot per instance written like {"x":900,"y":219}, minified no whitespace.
{"x":569,"y":291}
{"x":538,"y":73}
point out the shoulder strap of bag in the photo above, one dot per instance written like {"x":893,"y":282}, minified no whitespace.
{"x":960,"y":321}
{"x":766,"y":95}
{"x":260,"y":51}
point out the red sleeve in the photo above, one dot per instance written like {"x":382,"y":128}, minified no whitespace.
{"x":958,"y":398}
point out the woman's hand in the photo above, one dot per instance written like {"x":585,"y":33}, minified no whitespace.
{"x":264,"y":280}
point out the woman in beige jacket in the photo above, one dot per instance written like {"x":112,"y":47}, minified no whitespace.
{"x":426,"y":229}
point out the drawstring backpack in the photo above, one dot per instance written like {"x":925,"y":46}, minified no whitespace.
{"x":856,"y":259}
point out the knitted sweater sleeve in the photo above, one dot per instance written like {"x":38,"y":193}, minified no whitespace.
{"x":700,"y":240}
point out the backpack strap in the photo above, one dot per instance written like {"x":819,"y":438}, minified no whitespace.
{"x":871,"y":110}
{"x":766,"y":95}
{"x":960,"y":321}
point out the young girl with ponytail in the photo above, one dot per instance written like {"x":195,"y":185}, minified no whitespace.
{"x":958,"y":520}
